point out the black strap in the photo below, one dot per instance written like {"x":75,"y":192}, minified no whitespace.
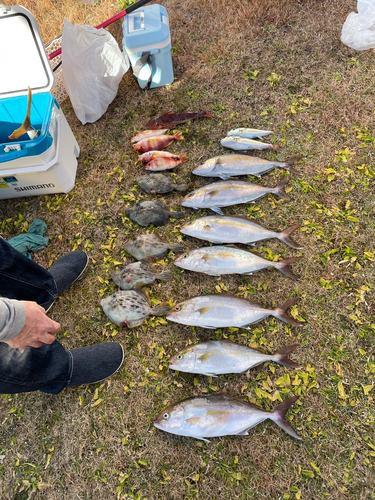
{"x":145,"y":58}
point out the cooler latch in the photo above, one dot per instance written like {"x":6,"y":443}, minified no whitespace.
{"x":12,"y":147}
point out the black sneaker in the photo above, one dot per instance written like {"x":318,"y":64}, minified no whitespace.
{"x":94,"y":363}
{"x":68,"y":269}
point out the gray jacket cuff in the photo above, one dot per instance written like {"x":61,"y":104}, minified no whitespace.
{"x":12,"y":318}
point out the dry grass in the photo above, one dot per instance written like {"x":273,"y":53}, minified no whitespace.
{"x":72,"y":447}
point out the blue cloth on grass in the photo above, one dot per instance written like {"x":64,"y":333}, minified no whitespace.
{"x":31,"y":241}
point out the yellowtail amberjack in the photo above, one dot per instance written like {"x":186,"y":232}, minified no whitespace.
{"x":235,"y":229}
{"x":219,"y":260}
{"x":227,"y":166}
{"x":219,"y":357}
{"x":225,"y":310}
{"x":220,"y":415}
{"x":228,"y":193}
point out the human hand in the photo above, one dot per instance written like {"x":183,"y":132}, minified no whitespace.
{"x":39,"y":329}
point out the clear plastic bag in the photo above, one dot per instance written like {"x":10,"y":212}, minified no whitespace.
{"x":93,"y":67}
{"x":358,"y":31}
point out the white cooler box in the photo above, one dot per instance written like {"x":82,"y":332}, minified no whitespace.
{"x":47,"y":164}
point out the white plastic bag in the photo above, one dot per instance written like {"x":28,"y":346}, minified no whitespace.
{"x":358,"y":31}
{"x":93,"y":67}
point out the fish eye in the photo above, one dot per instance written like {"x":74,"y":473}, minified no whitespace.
{"x":177,"y":308}
{"x":180,"y":356}
{"x":166,"y":416}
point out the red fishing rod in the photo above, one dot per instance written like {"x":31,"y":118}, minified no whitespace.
{"x":121,"y":14}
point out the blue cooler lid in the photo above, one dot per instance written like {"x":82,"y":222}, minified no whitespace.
{"x":23,"y":57}
{"x":146,"y":27}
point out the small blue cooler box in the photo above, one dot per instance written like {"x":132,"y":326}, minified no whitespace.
{"x":147,"y":42}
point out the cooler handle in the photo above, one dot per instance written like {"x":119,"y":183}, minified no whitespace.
{"x":145,"y":58}
{"x":14,"y":151}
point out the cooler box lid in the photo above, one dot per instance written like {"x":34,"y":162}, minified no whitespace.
{"x":24,"y":60}
{"x":146,"y":27}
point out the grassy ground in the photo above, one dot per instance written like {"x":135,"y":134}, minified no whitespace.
{"x":277,"y":65}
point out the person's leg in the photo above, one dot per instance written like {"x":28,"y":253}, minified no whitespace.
{"x":50,"y":368}
{"x":23,"y":279}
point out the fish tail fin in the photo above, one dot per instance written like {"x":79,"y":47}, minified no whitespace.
{"x":283,"y":266}
{"x":26,"y":125}
{"x":181,"y":187}
{"x":284,"y":236}
{"x":288,"y":165}
{"x":281,"y":356}
{"x":165,"y":275}
{"x":178,"y":136}
{"x":207,"y":114}
{"x":279,"y":189}
{"x":278,"y":416}
{"x":160,"y":310}
{"x":176,"y":247}
{"x":183,"y":158}
{"x":280,"y":312}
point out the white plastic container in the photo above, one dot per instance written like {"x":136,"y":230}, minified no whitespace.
{"x":47,"y":164}
{"x":147,"y":42}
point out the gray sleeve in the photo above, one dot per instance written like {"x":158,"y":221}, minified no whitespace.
{"x":12,"y":318}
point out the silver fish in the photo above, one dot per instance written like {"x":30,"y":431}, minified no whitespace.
{"x":150,"y":246}
{"x":241,"y":143}
{"x":220,"y":415}
{"x":137,"y":274}
{"x":130,"y":308}
{"x":228,"y":193}
{"x":249,"y":133}
{"x":227,"y":166}
{"x":225,"y":310}
{"x":219,"y":260}
{"x":218,"y":357}
{"x":235,"y":229}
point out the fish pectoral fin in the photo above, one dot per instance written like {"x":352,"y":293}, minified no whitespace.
{"x":133,"y":324}
{"x":204,"y":357}
{"x":206,"y":257}
{"x":207,"y":227}
{"x":193,"y":420}
{"x":217,"y":210}
{"x":204,"y":310}
{"x":243,"y":433}
{"x":214,"y":193}
{"x":201,"y":439}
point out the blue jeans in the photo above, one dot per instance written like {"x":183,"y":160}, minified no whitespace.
{"x":48,"y":368}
